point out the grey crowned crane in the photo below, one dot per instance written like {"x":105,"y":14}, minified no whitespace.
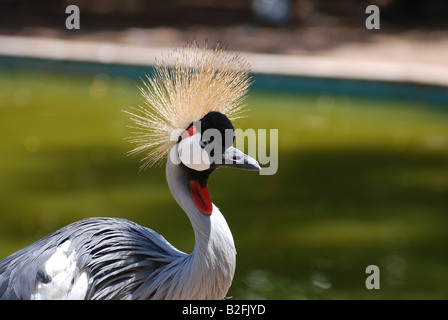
{"x":195,"y":92}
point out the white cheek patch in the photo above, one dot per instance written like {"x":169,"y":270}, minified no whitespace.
{"x":192,"y":155}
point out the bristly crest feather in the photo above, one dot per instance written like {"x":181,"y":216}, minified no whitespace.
{"x":191,"y":83}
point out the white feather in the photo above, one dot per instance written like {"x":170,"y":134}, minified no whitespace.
{"x":66,"y":281}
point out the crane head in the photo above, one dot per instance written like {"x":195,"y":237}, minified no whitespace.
{"x":195,"y":90}
{"x":204,"y":146}
{"x":207,"y":145}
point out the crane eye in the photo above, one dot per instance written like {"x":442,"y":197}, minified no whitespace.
{"x":205,"y":143}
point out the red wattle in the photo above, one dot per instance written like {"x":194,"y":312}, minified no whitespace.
{"x":201,"y":197}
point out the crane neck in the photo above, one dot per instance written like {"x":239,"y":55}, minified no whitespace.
{"x":213,"y":259}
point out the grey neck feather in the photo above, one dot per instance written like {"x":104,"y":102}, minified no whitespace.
{"x":211,"y":265}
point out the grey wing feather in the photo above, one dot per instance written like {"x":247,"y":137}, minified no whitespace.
{"x":18,"y":271}
{"x":118,"y":255}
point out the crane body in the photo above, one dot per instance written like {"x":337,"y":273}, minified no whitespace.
{"x":111,"y":258}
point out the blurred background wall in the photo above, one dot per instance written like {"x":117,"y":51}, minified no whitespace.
{"x":113,"y":14}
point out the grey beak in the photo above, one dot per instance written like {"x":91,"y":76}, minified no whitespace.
{"x":234,"y":158}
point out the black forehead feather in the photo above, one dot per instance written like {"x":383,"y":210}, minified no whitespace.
{"x":216,"y":120}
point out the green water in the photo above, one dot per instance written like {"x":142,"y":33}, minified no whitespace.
{"x":360,"y":182}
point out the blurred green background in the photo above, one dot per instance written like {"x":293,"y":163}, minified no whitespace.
{"x":360,"y":182}
{"x":363,"y":166}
